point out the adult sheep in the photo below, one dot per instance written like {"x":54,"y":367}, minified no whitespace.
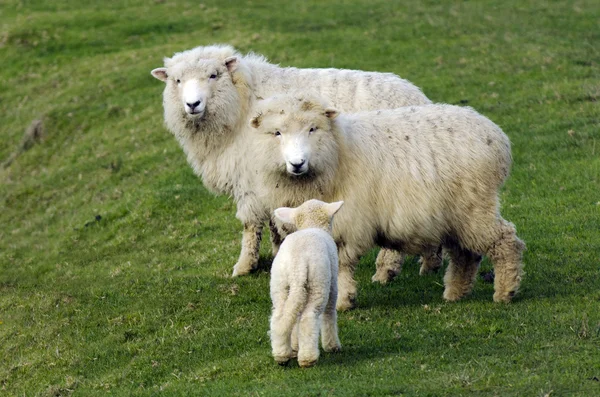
{"x":432,"y":180}
{"x":209,"y":91}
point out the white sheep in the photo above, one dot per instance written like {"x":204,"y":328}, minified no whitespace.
{"x":304,"y":285}
{"x":209,"y":91}
{"x":432,"y":180}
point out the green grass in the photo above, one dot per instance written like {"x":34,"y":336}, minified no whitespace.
{"x":115,"y":261}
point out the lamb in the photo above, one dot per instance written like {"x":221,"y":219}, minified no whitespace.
{"x":208,"y":93}
{"x":432,"y":180}
{"x":304,"y":285}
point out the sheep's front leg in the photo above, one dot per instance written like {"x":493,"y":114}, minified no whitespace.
{"x":276,"y":237}
{"x":248,"y":259}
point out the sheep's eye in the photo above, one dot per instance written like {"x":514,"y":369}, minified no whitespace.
{"x":213,"y":76}
{"x":277,"y":133}
{"x":178,"y":81}
{"x":313,"y":129}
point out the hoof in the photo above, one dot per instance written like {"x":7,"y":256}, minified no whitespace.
{"x":307,"y":363}
{"x":282,"y":360}
{"x":241,"y":269}
{"x":452,"y":295}
{"x":505,"y":297}
{"x":347,"y":303}
{"x":333,"y":349}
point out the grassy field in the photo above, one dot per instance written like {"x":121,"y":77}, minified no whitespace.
{"x":115,"y":261}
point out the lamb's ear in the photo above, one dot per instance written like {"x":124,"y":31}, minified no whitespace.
{"x":160,"y":73}
{"x":232,"y":63}
{"x":332,"y":208}
{"x":285,"y":214}
{"x":331,"y":113}
{"x":255,"y":121}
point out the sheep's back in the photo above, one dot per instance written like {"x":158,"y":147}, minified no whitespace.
{"x":347,"y":90}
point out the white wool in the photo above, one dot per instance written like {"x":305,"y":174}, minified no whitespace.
{"x":208,"y":111}
{"x":304,"y":286}
{"x":412,"y":178}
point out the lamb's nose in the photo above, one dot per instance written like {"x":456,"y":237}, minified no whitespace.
{"x":193,"y":105}
{"x":298,"y":165}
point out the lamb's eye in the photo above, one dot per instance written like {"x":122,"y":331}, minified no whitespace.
{"x":313,"y":129}
{"x":277,"y":133}
{"x":213,"y":76}
{"x":178,"y":81}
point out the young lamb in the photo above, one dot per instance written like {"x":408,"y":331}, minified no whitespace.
{"x":304,"y":285}
{"x":412,"y":178}
{"x":208,"y":93}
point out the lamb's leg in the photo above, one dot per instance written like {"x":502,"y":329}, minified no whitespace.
{"x":389,"y":265}
{"x":329,"y":329}
{"x":346,"y":299}
{"x":248,"y":259}
{"x":308,"y":334}
{"x":286,"y":309}
{"x":431,"y":261}
{"x":295,"y":338}
{"x":280,"y":332}
{"x":506,"y":254}
{"x":461,"y":272}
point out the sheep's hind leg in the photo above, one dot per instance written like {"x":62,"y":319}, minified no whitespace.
{"x":281,"y":329}
{"x":431,"y":261}
{"x":389,"y":265}
{"x":248,"y":259}
{"x":308,"y":334}
{"x":461,"y":272}
{"x":346,"y":299}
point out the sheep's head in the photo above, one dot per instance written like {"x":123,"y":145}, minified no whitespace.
{"x":312,"y":213}
{"x":300,"y":126}
{"x":200,"y":81}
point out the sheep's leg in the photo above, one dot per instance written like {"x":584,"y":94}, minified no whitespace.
{"x":431,"y":261}
{"x":248,"y":259}
{"x":276,"y":237}
{"x":461,"y":272}
{"x":506,"y":254}
{"x":286,"y":309}
{"x":280,"y":336}
{"x":308,"y":334}
{"x":329,"y":329}
{"x":389,"y":265}
{"x":346,"y":299}
{"x":295,"y":338}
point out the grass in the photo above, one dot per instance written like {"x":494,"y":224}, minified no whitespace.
{"x":115,"y":261}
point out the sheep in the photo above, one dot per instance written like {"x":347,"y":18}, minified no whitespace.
{"x":304,"y":285}
{"x":209,"y":91}
{"x":432,"y":180}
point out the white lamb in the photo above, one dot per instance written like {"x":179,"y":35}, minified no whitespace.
{"x":209,"y":91}
{"x":304,"y":285}
{"x":432,"y":180}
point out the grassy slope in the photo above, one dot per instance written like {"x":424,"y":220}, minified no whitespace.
{"x":141,"y":301}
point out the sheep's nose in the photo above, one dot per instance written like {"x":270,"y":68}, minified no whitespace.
{"x":298,"y":165}
{"x":193,"y":105}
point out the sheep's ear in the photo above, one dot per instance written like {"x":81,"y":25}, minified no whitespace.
{"x":331,"y":113}
{"x":232,"y":63}
{"x":285,"y":214}
{"x":332,"y":208}
{"x":160,"y":73}
{"x":255,"y":121}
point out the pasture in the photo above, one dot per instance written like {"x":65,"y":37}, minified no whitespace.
{"x":115,"y":262}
